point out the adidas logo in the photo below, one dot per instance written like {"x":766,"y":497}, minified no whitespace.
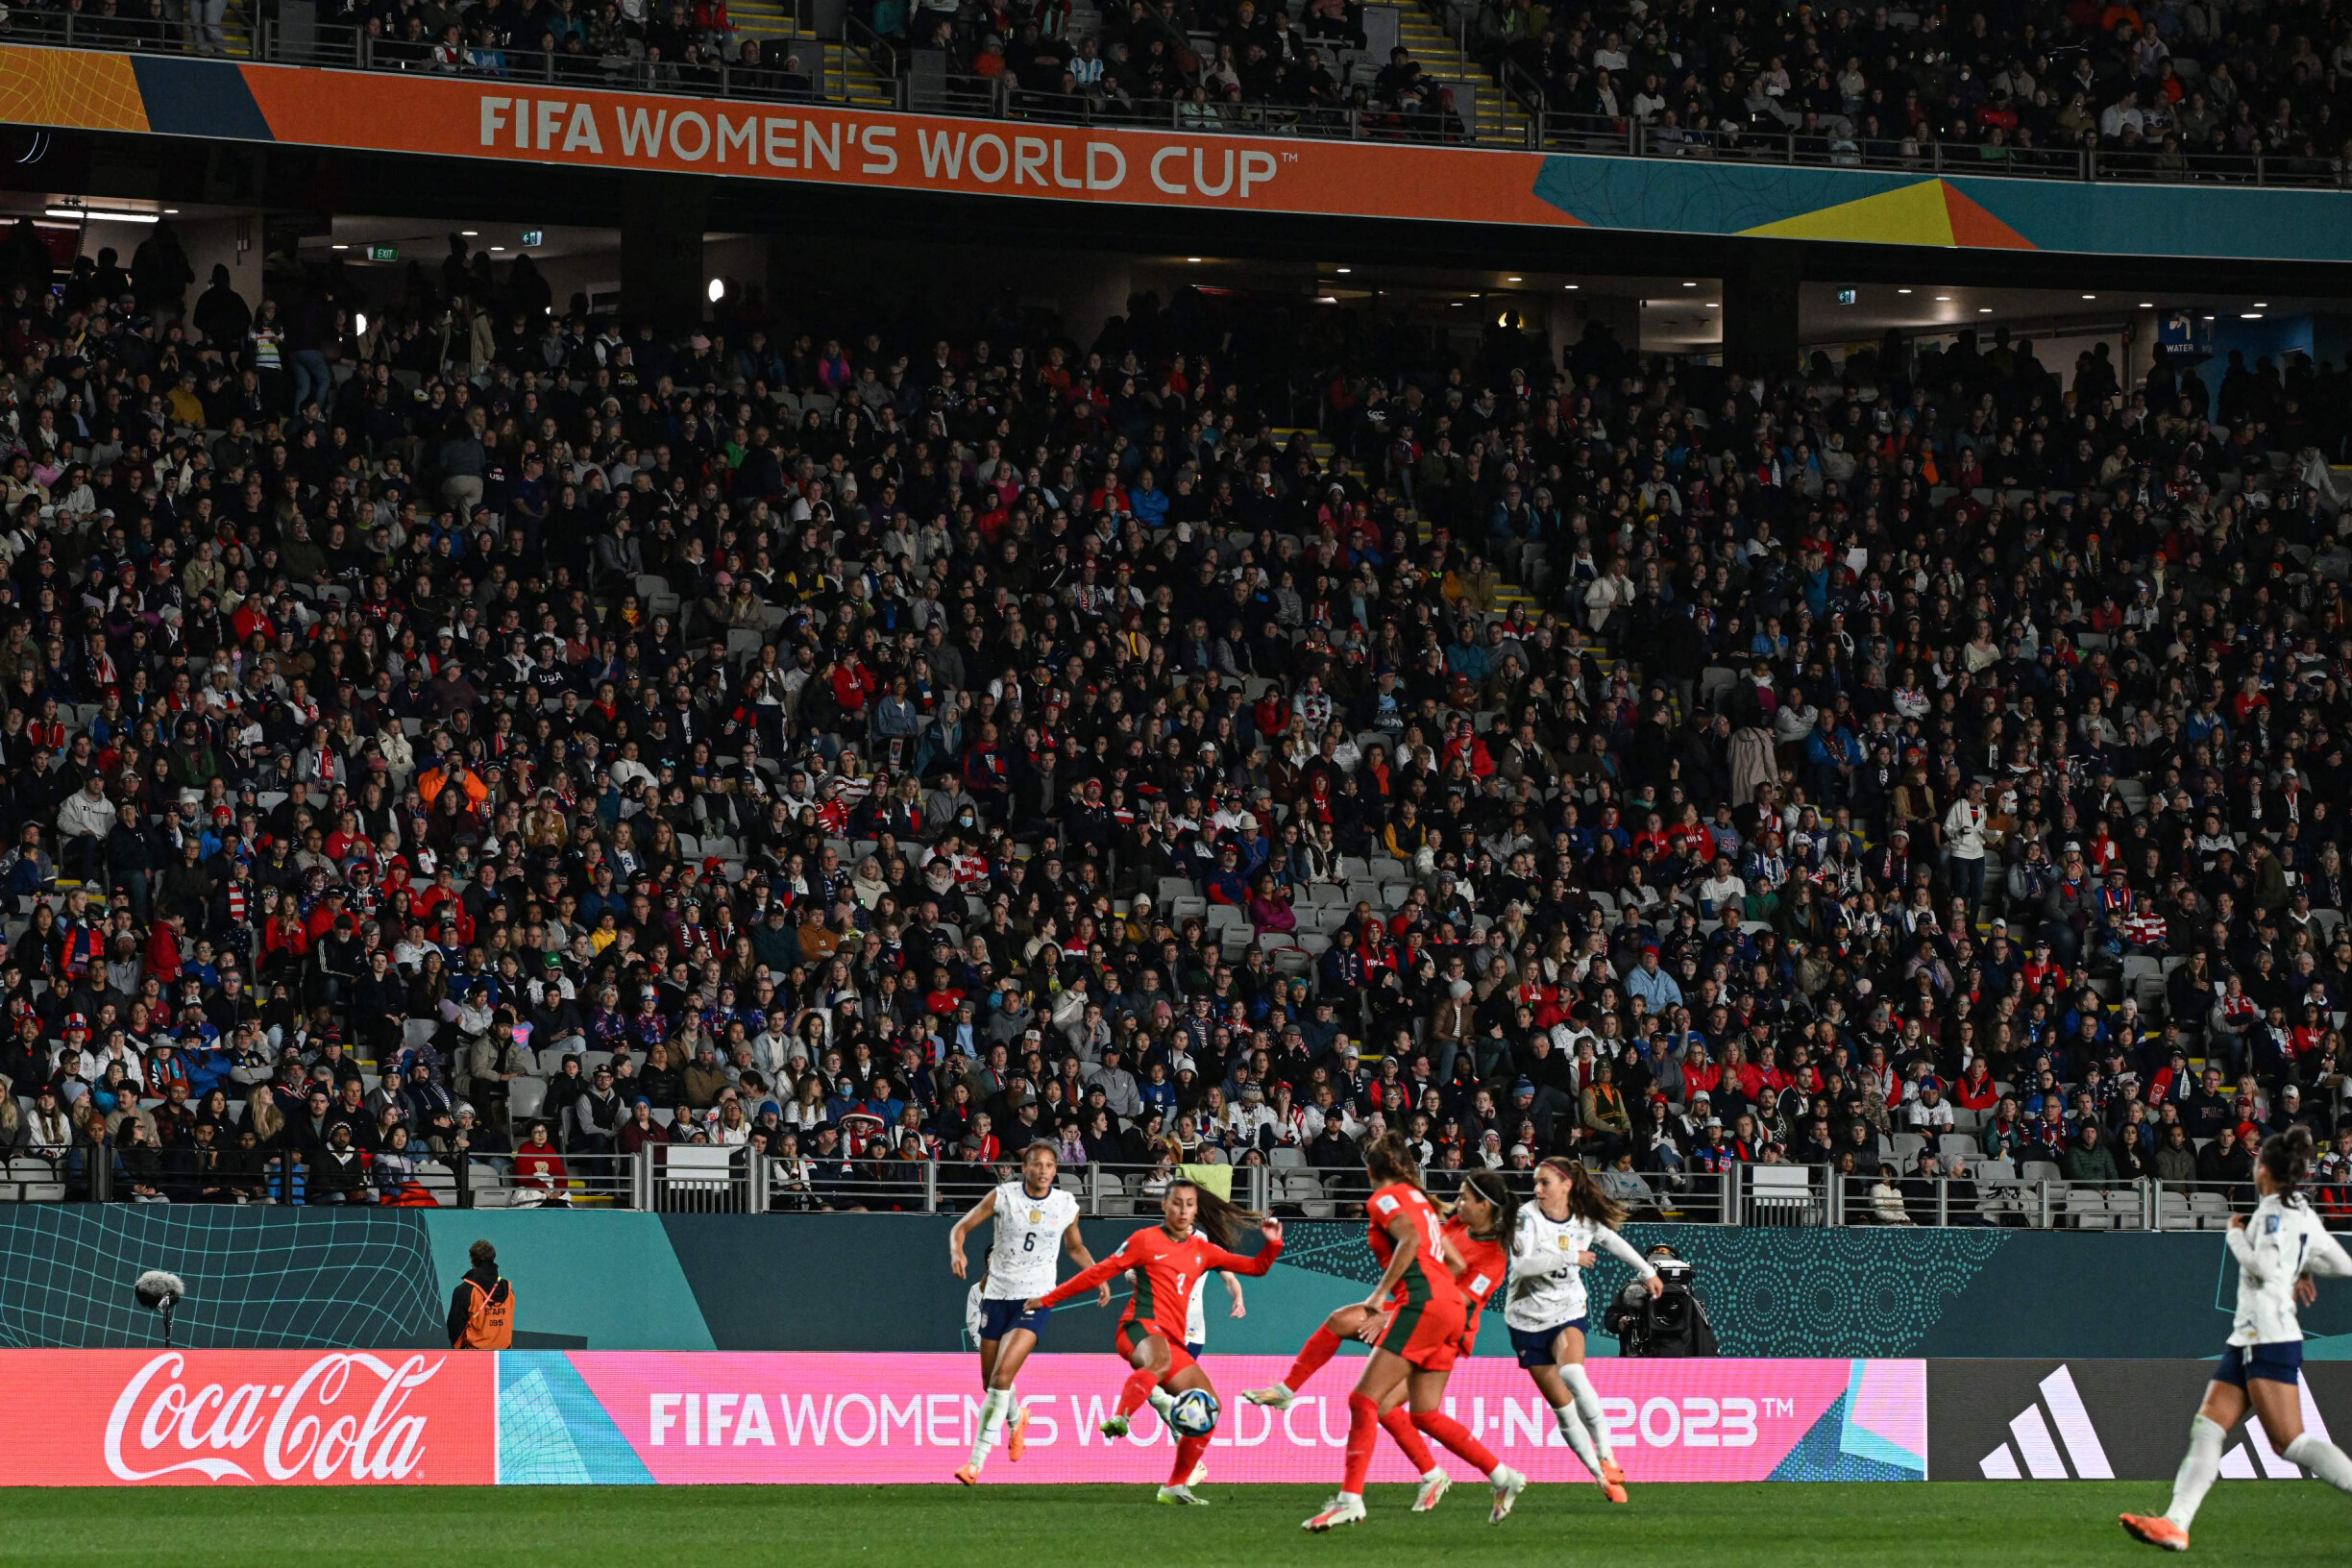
{"x":2031,"y":1438}
{"x":2254,"y":1458}
{"x":2054,"y":1439}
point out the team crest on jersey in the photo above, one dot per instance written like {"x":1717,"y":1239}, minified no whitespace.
{"x":1564,"y":1241}
{"x":2272,"y":1226}
{"x":1037,"y":1217}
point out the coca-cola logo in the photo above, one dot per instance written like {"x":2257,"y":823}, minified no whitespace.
{"x":310,"y":1428}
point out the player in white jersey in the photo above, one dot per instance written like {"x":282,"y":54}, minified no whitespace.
{"x":1544,"y":1306}
{"x":1196,"y":1332}
{"x":2279,"y":1248}
{"x":1035,"y":1223}
{"x":1197,"y":1315}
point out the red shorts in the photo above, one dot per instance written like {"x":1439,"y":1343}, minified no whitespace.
{"x":1134,"y":1330}
{"x":1427,"y":1334}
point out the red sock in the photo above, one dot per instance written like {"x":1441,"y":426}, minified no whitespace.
{"x":1399,"y":1425}
{"x":1137,"y":1388}
{"x":1321,"y":1346}
{"x":1363,"y":1432}
{"x":1456,"y":1436}
{"x":1189,"y":1451}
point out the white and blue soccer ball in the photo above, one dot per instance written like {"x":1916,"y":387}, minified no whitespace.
{"x":1194,"y":1414}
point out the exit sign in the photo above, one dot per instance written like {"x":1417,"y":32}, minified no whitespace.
{"x":383,"y":253}
{"x":1848,"y":296}
{"x":533,"y":236}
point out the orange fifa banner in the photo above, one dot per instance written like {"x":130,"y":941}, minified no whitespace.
{"x":250,"y":1417}
{"x":550,"y":125}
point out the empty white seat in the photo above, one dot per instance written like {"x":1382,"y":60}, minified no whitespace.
{"x":2088,"y":1210}
{"x":524,"y":1096}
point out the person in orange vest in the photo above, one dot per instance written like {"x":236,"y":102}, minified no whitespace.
{"x":482,"y":1308}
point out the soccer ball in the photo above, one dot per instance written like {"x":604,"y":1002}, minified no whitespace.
{"x":1194,"y":1414}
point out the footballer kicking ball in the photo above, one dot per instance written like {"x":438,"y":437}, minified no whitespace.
{"x":1194,"y":1414}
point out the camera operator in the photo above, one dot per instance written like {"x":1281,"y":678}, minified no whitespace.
{"x":1672,"y":1323}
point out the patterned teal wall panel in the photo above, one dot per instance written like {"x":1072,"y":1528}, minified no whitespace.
{"x":878,"y":1282}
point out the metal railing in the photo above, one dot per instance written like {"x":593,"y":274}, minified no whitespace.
{"x":1215,"y":118}
{"x":1625,"y":137}
{"x":2029,"y":1195}
{"x":769,"y":81}
{"x":736,"y":1179}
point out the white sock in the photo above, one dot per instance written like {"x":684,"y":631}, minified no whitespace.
{"x":2322,"y":1458}
{"x":1162,"y":1400}
{"x":1588,"y":1410}
{"x":1572,"y":1432}
{"x":2197,"y":1469}
{"x":1436,"y":1472}
{"x":993,"y":1406}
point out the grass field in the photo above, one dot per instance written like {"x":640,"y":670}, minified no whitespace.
{"x":1863,"y":1526}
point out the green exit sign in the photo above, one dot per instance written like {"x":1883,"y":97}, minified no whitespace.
{"x":1848,"y":296}
{"x":383,"y":253}
{"x":533,"y":236}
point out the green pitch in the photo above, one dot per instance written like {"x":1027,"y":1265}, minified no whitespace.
{"x":1998,"y":1524}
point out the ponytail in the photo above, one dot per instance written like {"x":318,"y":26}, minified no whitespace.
{"x":1389,"y":1159}
{"x":1220,"y":1219}
{"x":1586,"y":1199}
{"x":2288,"y":1157}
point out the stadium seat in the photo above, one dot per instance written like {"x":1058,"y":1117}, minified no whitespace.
{"x":524,"y":1096}
{"x":1303,"y":1188}
{"x":1961,"y":1145}
{"x":1779,"y":1194}
{"x":2087,"y":1209}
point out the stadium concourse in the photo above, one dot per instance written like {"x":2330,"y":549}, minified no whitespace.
{"x":448,"y":758}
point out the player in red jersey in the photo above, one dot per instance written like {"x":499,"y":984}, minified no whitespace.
{"x":1474,"y":1239}
{"x":1167,"y":1261}
{"x":1414,"y":1345}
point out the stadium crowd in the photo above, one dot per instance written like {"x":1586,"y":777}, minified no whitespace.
{"x":503,"y":732}
{"x":2178,"y":88}
{"x":2175,"y":89}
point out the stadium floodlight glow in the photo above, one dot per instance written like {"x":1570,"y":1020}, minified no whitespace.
{"x":1194,"y":259}
{"x":2147,"y":305}
{"x":1903,"y":291}
{"x":1984,"y":309}
{"x":2262,"y":305}
{"x":469,"y":234}
{"x":359,"y":321}
{"x":1343,"y":271}
{"x":1943,"y":299}
{"x":2090,"y":295}
{"x":91,"y":214}
{"x":342,"y":247}
{"x":1690,"y":285}
{"x":1514,"y":280}
{"x":1712,"y":306}
{"x":716,"y":290}
{"x":2249,"y":315}
{"x":1570,"y":287}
